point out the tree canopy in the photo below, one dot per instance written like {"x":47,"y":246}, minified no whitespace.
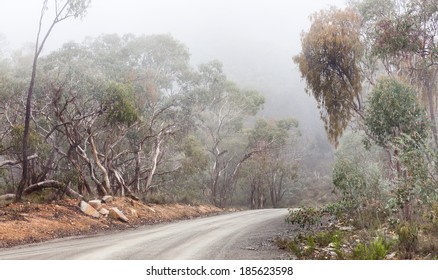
{"x":393,"y":110}
{"x":329,"y":63}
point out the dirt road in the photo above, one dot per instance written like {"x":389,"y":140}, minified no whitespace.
{"x":240,"y":235}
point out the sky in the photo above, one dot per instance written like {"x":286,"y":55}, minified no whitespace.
{"x":256,"y":20}
{"x":254,"y":39}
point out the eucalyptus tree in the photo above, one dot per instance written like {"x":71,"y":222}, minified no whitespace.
{"x":397,"y":120}
{"x":223,"y":108}
{"x":120,"y":102}
{"x":63,"y":10}
{"x":162,"y":78}
{"x":406,"y":44}
{"x":399,"y":37}
{"x":330,"y":64}
{"x":270,"y":172}
{"x":14,"y":75}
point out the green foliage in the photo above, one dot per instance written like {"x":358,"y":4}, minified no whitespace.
{"x":195,"y":157}
{"x":305,"y":217}
{"x":350,"y":181}
{"x":415,"y":164}
{"x":329,"y":63}
{"x":397,"y":121}
{"x":431,"y":219}
{"x":165,"y":58}
{"x":308,"y":246}
{"x":36,"y":142}
{"x":43,"y":196}
{"x":218,"y":93}
{"x":301,"y":246}
{"x":325,"y":238}
{"x":408,"y":238}
{"x":271,"y":133}
{"x":394,"y":110}
{"x":358,"y":177}
{"x":337,"y":209}
{"x":71,"y":176}
{"x":296,"y":249}
{"x":120,"y":105}
{"x":378,"y":249}
{"x":250,"y":101}
{"x":406,"y":31}
{"x":157,"y":198}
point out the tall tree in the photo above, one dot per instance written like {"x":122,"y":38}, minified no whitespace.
{"x":223,"y":109}
{"x":270,"y":172}
{"x":330,"y":64}
{"x":399,"y":123}
{"x":63,"y":9}
{"x":406,"y":44}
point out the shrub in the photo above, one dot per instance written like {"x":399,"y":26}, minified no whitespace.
{"x":305,"y":217}
{"x":324,"y":238}
{"x":407,"y":239}
{"x":376,"y":250}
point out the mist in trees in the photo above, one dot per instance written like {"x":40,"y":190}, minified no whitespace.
{"x":165,"y":117}
{"x":128,"y":115}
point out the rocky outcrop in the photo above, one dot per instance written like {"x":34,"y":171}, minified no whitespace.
{"x":116,"y":214}
{"x":87,"y":209}
{"x":94,"y":208}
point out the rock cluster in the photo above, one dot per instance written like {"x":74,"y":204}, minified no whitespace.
{"x":95,"y":209}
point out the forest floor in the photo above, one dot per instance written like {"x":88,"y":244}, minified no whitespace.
{"x":26,"y":222}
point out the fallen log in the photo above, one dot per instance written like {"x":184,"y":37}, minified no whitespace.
{"x":55,"y":185}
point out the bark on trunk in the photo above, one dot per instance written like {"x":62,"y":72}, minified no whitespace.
{"x":430,"y":99}
{"x":154,"y":162}
{"x":107,"y":184}
{"x":137,"y":175}
{"x":38,"y":49}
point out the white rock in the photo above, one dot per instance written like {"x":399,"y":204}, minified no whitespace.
{"x":117,"y":214}
{"x":134,"y":213}
{"x":104,"y":211}
{"x":390,"y":256}
{"x":333,"y":255}
{"x":96,"y":204}
{"x":88,"y":209}
{"x":107,"y":198}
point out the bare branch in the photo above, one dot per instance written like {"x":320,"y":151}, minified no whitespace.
{"x":15,"y":162}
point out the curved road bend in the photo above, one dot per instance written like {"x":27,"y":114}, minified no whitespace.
{"x":227,"y":236}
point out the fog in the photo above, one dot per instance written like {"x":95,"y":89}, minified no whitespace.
{"x":255,"y":40}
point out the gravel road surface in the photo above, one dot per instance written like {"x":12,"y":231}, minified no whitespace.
{"x":239,"y":235}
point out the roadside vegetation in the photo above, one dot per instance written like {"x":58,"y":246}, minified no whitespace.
{"x":372,"y":68}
